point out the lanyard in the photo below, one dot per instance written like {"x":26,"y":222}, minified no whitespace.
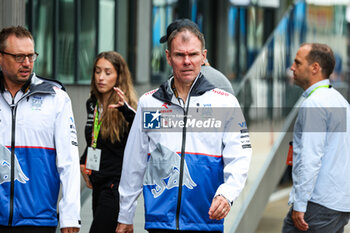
{"x":97,"y":126}
{"x":325,"y":86}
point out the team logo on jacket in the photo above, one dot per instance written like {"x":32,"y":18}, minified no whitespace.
{"x":163,"y":171}
{"x":37,"y":102}
{"x":5,"y":167}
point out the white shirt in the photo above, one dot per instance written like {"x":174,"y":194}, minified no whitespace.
{"x":321,"y":144}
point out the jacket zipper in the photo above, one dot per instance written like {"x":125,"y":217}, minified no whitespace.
{"x":13,"y":107}
{"x":13,"y":136}
{"x":182,"y":161}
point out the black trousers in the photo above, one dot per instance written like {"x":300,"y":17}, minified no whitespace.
{"x":105,"y":208}
{"x":176,"y":231}
{"x":27,"y":229}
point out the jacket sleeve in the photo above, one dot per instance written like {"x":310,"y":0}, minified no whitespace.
{"x":67,"y":162}
{"x":128,"y":112}
{"x":236,"y":154}
{"x":134,"y":166}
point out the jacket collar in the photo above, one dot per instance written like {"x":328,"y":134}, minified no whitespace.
{"x":41,"y":85}
{"x":199,"y":87}
{"x":34,"y":84}
{"x":26,"y":86}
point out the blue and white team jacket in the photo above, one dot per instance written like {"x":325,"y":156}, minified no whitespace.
{"x":38,"y":151}
{"x":180,"y":172}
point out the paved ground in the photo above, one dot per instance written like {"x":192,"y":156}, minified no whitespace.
{"x":271,"y":221}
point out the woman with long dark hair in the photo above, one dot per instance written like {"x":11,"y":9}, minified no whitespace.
{"x":110,"y":110}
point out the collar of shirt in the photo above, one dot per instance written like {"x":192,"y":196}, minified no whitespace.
{"x":311,"y":88}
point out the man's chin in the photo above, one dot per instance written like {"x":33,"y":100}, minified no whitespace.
{"x":295,"y":81}
{"x":22,"y":79}
{"x":188,"y":78}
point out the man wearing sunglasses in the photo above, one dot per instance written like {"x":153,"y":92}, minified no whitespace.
{"x":38,"y":144}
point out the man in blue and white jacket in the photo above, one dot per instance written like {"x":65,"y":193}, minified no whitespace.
{"x":38,"y":144}
{"x":189,"y":177}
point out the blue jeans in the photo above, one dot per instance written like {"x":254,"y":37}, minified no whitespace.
{"x":320,"y":220}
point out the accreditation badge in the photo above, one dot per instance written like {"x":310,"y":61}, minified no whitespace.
{"x":93,"y":159}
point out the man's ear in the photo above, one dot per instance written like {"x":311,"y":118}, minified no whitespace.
{"x":204,"y":55}
{"x":168,"y":58}
{"x":316,"y":68}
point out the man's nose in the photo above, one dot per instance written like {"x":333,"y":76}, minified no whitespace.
{"x":187,"y":59}
{"x":26,"y":61}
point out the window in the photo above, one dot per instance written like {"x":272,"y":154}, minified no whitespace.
{"x":106,"y":25}
{"x":39,"y":14}
{"x":87,"y":40}
{"x":163,"y":13}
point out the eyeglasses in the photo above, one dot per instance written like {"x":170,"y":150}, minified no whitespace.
{"x":21,"y":57}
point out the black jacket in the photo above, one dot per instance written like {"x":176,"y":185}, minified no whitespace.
{"x":111,"y":153}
